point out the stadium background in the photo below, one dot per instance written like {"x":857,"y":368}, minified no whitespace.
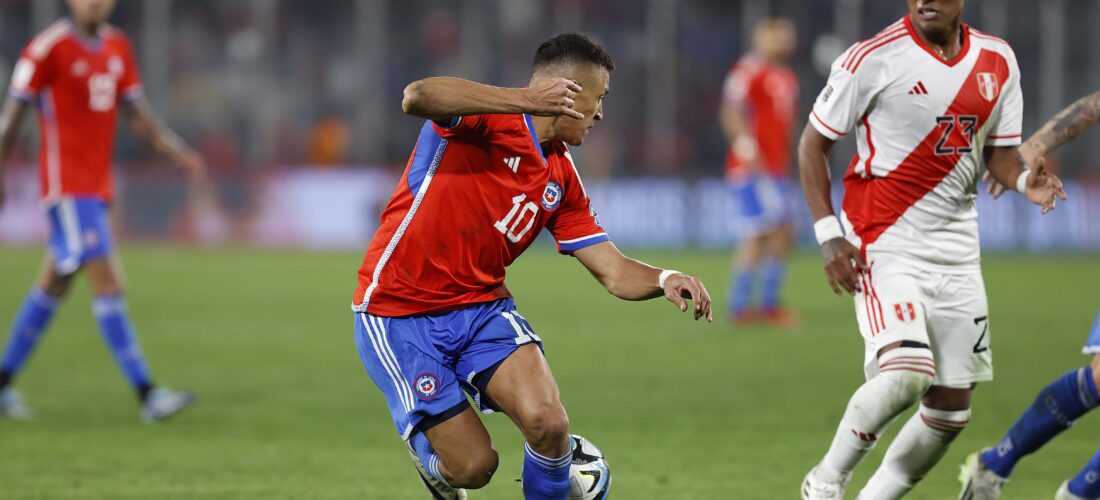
{"x":239,"y":288}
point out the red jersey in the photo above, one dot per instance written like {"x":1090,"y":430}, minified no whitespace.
{"x":767,"y":94}
{"x":474,"y":195}
{"x":76,"y":83}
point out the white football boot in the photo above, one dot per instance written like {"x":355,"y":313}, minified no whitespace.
{"x":978,"y":482}
{"x":1064,"y":493}
{"x":12,"y":405}
{"x":438,"y":489}
{"x":163,"y":403}
{"x":814,"y":488}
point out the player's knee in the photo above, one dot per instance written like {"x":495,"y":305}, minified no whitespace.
{"x":913,"y":368}
{"x":546,"y":426}
{"x":475,"y":470}
{"x":56,"y":286}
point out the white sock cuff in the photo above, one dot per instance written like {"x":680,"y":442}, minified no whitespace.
{"x":912,"y":359}
{"x":108,"y":304}
{"x":945,"y":420}
{"x":43,"y":299}
{"x":549,"y":463}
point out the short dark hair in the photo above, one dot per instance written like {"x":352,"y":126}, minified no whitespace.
{"x":571,"y":48}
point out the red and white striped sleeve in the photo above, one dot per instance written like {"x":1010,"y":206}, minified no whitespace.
{"x":847,"y":95}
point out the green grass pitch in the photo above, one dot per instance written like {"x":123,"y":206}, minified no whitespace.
{"x":683,"y":410}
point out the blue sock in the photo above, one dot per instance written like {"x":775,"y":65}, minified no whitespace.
{"x":30,"y":322}
{"x":1053,"y":411}
{"x":740,"y":290}
{"x":774,"y":272}
{"x":545,"y":478}
{"x":1087,"y":482}
{"x":114,"y":323}
{"x":428,"y":458}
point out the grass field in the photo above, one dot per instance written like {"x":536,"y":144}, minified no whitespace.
{"x":683,"y":410}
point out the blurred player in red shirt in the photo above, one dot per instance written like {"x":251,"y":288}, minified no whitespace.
{"x":78,"y":73}
{"x":758,"y":107}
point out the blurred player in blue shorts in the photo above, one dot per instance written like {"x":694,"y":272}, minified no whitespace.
{"x":434,"y":321}
{"x":1068,"y":397}
{"x":759,"y":102}
{"x":78,"y":73}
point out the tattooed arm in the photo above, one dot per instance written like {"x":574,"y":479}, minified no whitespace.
{"x":1066,"y":126}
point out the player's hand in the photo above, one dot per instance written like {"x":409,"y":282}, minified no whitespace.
{"x":1044,"y":188}
{"x":193,"y":163}
{"x":554,"y":97}
{"x":843,"y":265}
{"x":679,"y":288}
{"x":994,"y":188}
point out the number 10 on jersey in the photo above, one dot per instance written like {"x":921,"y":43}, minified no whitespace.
{"x":511,"y":222}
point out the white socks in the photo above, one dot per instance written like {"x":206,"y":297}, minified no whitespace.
{"x":905,"y":374}
{"x":920,"y":444}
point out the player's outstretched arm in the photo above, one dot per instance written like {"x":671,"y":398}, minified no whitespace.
{"x":629,"y":279}
{"x":443,"y":98}
{"x":1007,"y":166}
{"x":148,"y":127}
{"x":11,"y":117}
{"x":843,"y":261}
{"x":1065,"y":126}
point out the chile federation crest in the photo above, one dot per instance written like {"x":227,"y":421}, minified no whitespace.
{"x":551,"y":197}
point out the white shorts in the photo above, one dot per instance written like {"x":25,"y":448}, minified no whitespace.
{"x":947,"y":312}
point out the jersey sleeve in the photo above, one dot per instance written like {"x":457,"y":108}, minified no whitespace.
{"x":847,"y":96}
{"x":735,"y":90}
{"x":468,"y":127}
{"x":1008,"y":128}
{"x":575,"y":225}
{"x":130,"y":84}
{"x":32,"y":72}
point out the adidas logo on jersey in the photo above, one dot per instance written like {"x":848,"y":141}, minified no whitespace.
{"x":513,"y":163}
{"x":919,"y":89}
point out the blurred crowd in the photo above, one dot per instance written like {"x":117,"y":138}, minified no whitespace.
{"x":256,"y":84}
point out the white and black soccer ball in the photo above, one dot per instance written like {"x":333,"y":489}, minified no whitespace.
{"x":589,"y":474}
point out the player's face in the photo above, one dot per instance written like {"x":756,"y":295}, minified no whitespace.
{"x":91,"y":11}
{"x":936,"y":19}
{"x":595,"y":83}
{"x":776,"y":40}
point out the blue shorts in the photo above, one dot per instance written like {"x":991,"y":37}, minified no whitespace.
{"x":425,"y":365}
{"x":79,"y":232}
{"x":763,"y":203}
{"x":1092,"y":345}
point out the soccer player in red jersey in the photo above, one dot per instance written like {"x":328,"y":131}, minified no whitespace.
{"x":434,"y":320}
{"x":758,"y":106}
{"x":931,"y":100}
{"x":78,"y":73}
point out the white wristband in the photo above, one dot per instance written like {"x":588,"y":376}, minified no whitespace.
{"x":664,"y":276}
{"x":1021,"y":181}
{"x":827,"y":228}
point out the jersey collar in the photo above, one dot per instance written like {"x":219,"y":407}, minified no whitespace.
{"x":93,"y":44}
{"x":920,"y":43}
{"x":534,"y":138}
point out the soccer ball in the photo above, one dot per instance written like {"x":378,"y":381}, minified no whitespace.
{"x":589,"y":474}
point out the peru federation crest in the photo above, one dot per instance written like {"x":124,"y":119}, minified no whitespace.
{"x":988,"y":86}
{"x":551,"y":197}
